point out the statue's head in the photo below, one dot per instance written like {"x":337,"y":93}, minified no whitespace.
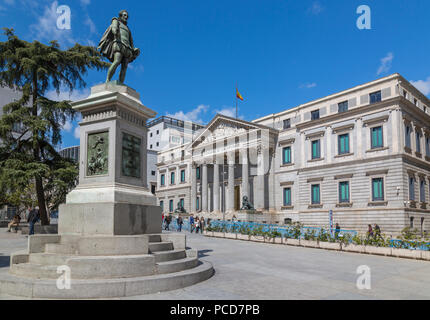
{"x":245,"y":198}
{"x":123,"y":15}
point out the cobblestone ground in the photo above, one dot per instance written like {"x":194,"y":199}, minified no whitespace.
{"x":249,"y":270}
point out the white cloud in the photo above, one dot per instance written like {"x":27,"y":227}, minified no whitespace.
{"x":77,"y":132}
{"x":193,"y":115}
{"x":85,"y":2}
{"x":9,"y":2}
{"x":308,"y":85}
{"x":422,"y":85}
{"x":316,"y":8}
{"x":229,"y":112}
{"x":90,"y":23}
{"x":66,"y":95}
{"x":385,"y":63}
{"x":46,"y":27}
{"x":67,"y":126}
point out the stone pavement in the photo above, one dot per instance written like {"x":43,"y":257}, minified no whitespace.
{"x":249,"y":270}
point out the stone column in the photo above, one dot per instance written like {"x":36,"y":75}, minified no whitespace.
{"x":205,"y":187}
{"x":230,"y":192}
{"x":193,"y":188}
{"x":259,"y":185}
{"x":216,"y":188}
{"x":245,"y":175}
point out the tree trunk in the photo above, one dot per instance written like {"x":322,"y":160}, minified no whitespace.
{"x":36,"y":153}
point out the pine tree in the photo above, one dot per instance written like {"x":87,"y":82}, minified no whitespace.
{"x":30,"y":157}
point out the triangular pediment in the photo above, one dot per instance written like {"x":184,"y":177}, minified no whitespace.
{"x":222,"y":127}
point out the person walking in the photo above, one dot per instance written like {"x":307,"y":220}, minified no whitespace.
{"x":197,"y":224}
{"x":180,"y":222}
{"x":32,"y":219}
{"x":336,"y":230}
{"x":377,"y":232}
{"x":202,"y":225}
{"x":167,"y":223}
{"x":191,"y":223}
{"x":369,"y":231}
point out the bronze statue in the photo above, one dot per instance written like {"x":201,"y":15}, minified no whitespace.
{"x":117,"y":46}
{"x":246,"y":205}
{"x":180,"y":208}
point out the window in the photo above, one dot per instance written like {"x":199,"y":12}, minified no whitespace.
{"x":418,"y":141}
{"x":405,"y":94}
{"x":411,"y":188}
{"x":376,"y":137}
{"x":411,"y":222}
{"x":170,"y":205}
{"x":343,"y":106}
{"x":152,"y":189}
{"x":286,"y":155}
{"x":197,"y":203}
{"x":153,"y":173}
{"x":415,"y":102}
{"x":182,"y":175}
{"x":198,"y":173}
{"x":375,"y":97}
{"x":316,"y":149}
{"x":315,"y":114}
{"x":287,"y":123}
{"x":315,"y":196}
{"x":343,"y":143}
{"x":158,"y":131}
{"x":378,"y":189}
{"x":172,"y":178}
{"x":150,"y":134}
{"x":181,"y":201}
{"x":344,"y":192}
{"x":408,"y":136}
{"x":287,"y":196}
{"x":422,"y":191}
{"x":162,"y":205}
{"x":162,"y":180}
{"x":427,"y":146}
{"x":157,"y":144}
{"x":150,"y":147}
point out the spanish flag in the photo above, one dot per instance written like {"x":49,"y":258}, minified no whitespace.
{"x":238,"y":95}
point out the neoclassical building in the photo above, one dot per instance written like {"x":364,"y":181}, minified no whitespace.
{"x":362,"y":154}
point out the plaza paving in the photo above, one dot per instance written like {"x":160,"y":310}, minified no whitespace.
{"x":249,"y":270}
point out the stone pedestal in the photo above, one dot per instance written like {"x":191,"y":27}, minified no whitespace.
{"x":109,"y":230}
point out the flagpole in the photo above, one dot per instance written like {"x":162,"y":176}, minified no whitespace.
{"x":236,"y":100}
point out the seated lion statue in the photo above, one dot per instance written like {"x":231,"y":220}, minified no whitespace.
{"x":246,"y":205}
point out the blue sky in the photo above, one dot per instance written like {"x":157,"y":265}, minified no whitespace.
{"x":280,"y":53}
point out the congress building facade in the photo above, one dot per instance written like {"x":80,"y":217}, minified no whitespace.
{"x":363,"y":153}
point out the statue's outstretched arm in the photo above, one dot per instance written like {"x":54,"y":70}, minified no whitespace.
{"x":115,"y":28}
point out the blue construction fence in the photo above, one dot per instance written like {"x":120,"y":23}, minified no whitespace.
{"x":287,"y":231}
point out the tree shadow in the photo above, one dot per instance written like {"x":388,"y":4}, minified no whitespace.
{"x":202,"y":253}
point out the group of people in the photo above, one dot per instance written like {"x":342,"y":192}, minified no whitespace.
{"x":32,"y":218}
{"x":373,"y":232}
{"x":196,"y":224}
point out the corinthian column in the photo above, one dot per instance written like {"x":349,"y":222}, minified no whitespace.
{"x":216,"y":188}
{"x":245,"y":175}
{"x":205,"y":188}
{"x":193,"y":188}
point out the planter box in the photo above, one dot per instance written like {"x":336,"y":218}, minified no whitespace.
{"x":218,"y":234}
{"x":330,"y":245}
{"x":382,"y":251}
{"x":292,"y":242}
{"x":208,"y":233}
{"x":278,"y":240}
{"x":230,"y":235}
{"x":406,"y":253}
{"x":257,"y":238}
{"x":425,"y":255}
{"x":243,"y":237}
{"x":354,"y":248}
{"x":309,"y":243}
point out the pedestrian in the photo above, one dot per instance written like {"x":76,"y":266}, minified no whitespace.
{"x":14,"y":223}
{"x":377,"y":231}
{"x":191,"y":223}
{"x":180,"y":222}
{"x":167,"y":223}
{"x":369,"y":231}
{"x":197,"y":224}
{"x":32,"y":219}
{"x":336,"y":230}
{"x":202,"y":224}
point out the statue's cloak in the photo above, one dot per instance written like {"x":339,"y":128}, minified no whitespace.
{"x":106,"y":44}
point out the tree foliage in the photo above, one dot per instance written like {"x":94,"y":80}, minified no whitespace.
{"x":29,"y":157}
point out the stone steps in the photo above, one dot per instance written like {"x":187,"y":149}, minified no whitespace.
{"x":163,"y":256}
{"x":61,"y":248}
{"x":34,"y":271}
{"x":49,"y":258}
{"x":104,"y":288}
{"x":177,"y":265}
{"x":160,"y":246}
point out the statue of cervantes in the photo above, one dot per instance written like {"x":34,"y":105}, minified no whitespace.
{"x":117,"y":46}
